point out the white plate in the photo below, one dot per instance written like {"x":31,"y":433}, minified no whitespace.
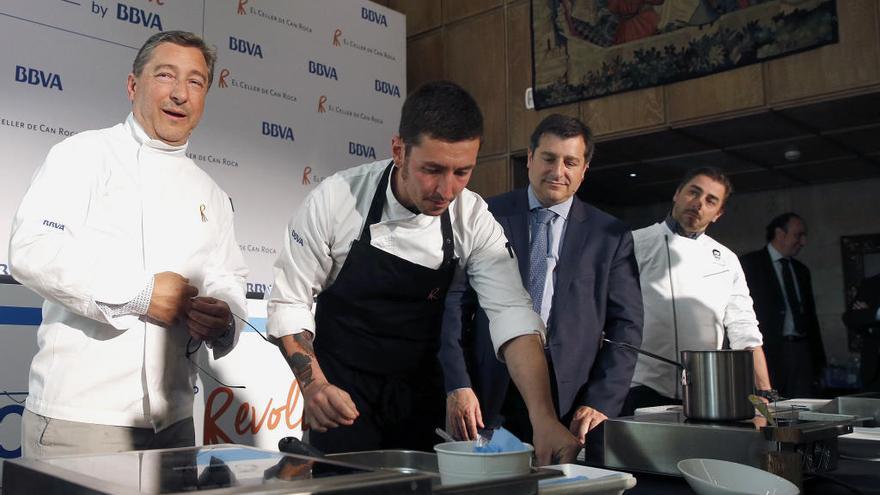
{"x":582,"y":480}
{"x":715,"y":477}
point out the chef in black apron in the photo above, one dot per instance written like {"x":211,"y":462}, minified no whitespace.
{"x":379,"y":324}
{"x":371,"y":379}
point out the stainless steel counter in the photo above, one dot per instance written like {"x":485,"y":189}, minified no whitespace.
{"x":220,"y":469}
{"x":654,"y":443}
{"x":236,"y":469}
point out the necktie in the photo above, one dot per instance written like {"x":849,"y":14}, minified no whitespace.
{"x":794,"y":303}
{"x":538,"y":257}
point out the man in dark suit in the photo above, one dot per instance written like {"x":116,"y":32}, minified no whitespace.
{"x":864,"y":317}
{"x":577,"y":263}
{"x":783,"y":294}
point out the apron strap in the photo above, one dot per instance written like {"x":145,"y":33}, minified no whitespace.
{"x":375,"y":214}
{"x":448,"y":242}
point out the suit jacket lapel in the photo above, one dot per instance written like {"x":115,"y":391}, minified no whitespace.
{"x":517,"y":223}
{"x":773,"y":281}
{"x":572,"y":245}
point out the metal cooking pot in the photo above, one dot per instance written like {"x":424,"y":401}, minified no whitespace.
{"x":716,"y":384}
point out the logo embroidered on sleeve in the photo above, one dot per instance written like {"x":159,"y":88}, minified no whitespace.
{"x":297,"y":238}
{"x":54,"y":225}
{"x":202,"y":208}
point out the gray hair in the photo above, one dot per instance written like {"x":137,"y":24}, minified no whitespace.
{"x":181,"y":38}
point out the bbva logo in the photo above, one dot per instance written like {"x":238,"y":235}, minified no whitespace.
{"x":135,"y":15}
{"x":279,"y":131}
{"x":358,"y":149}
{"x":387,"y":88}
{"x":320,"y":69}
{"x":373,"y":16}
{"x":37,"y":77}
{"x":245,"y":46}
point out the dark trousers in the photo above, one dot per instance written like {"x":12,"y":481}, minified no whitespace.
{"x":793,"y":374}
{"x":870,"y":370}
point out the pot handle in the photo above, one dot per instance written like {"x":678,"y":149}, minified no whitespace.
{"x":644,"y":352}
{"x":685,"y":379}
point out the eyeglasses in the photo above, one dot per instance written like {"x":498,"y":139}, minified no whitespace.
{"x":193,"y":346}
{"x":10,"y":395}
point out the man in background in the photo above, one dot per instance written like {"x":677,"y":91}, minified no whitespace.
{"x":783,"y":293}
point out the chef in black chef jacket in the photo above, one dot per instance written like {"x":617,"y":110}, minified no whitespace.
{"x":375,"y":247}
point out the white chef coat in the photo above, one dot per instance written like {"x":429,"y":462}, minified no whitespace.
{"x":711,"y":296}
{"x":319,"y":236}
{"x":107,"y":210}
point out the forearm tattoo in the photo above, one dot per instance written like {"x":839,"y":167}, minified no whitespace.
{"x":301,"y":362}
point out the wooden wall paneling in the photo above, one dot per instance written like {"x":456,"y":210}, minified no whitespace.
{"x":851,"y":63}
{"x":454,"y":10}
{"x":424,"y":59}
{"x":717,"y":94}
{"x":491,"y":176}
{"x":476,"y":57}
{"x":623,"y":112}
{"x":421,"y":15}
{"x":519,"y":67}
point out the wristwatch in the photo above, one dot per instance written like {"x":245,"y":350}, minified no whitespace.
{"x":770,"y":394}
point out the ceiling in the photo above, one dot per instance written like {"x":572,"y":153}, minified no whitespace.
{"x":838,"y":140}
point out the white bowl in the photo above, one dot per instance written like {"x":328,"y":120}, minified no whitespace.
{"x":458,"y":463}
{"x":715,"y":477}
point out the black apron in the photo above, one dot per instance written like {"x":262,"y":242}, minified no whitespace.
{"x":377,"y":336}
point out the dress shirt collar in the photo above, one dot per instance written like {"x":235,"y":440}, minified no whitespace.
{"x":560,"y":209}
{"x":774,"y":254}
{"x":142,"y":138}
{"x":396,"y":210}
{"x":675,"y":227}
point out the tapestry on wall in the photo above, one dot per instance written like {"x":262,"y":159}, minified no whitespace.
{"x":584,"y":49}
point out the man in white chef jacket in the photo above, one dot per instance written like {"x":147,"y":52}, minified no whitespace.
{"x":693,"y":290}
{"x":133,"y":248}
{"x":374,"y":248}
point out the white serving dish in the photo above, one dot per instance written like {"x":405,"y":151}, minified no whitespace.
{"x":458,"y":463}
{"x":716,"y":477}
{"x":579,"y":479}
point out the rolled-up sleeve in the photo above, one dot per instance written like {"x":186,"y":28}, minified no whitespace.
{"x":740,"y":321}
{"x":302,"y":268}
{"x":493,"y":272}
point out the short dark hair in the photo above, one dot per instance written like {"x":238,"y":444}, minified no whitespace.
{"x":565,"y":127}
{"x":440,"y":110}
{"x":180,"y":38}
{"x":780,"y":222}
{"x":713,"y":173}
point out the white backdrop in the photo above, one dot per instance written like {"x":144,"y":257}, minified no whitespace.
{"x":302,"y":89}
